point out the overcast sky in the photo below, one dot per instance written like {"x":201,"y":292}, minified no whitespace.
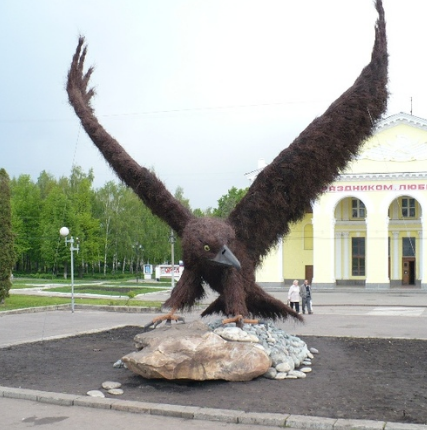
{"x":198,"y":90}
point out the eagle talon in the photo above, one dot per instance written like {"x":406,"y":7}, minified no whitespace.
{"x":158,"y":320}
{"x":239,"y":320}
{"x":149,"y":327}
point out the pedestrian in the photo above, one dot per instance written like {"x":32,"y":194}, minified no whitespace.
{"x":306,"y":297}
{"x":294,"y":296}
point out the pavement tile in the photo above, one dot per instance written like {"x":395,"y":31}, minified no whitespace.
{"x":56,"y":399}
{"x":94,"y":402}
{"x":132,"y":406}
{"x":254,"y":418}
{"x":403,"y":426}
{"x":173,"y":410}
{"x":344,"y":424}
{"x":21,"y":393}
{"x":223,"y":415}
{"x":308,"y":422}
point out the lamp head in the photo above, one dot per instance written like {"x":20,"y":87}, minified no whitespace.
{"x":64,"y":231}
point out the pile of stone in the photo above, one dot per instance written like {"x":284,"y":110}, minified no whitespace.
{"x":290,"y":356}
{"x":199,"y":351}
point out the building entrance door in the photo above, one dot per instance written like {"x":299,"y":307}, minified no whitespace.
{"x":408,"y":271}
{"x":309,"y":273}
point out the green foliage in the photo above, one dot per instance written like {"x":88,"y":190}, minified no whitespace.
{"x":116,"y":233}
{"x":7,"y":251}
{"x":229,"y":201}
{"x":131,"y":294}
{"x":26,"y":209}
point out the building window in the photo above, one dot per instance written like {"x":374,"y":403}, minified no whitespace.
{"x":408,"y":207}
{"x":358,"y":209}
{"x":408,"y":246}
{"x":358,"y":256}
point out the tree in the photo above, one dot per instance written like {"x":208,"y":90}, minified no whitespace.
{"x":86,"y":226}
{"x":52,"y":218}
{"x":228,"y":202}
{"x":26,"y":207}
{"x":110,"y":224}
{"x":7,"y":254}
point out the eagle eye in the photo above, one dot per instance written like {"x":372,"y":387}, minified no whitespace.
{"x":207,"y":248}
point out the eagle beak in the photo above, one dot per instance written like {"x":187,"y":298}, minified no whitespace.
{"x":227,"y":258}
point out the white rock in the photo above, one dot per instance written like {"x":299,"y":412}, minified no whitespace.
{"x":305,"y":369}
{"x":271,"y":373}
{"x":115,"y":391}
{"x":231,"y":331}
{"x":283,"y":367}
{"x":95,"y":393}
{"x":314,"y":351}
{"x":310,"y":355}
{"x":109,"y":385}
{"x":297,"y":373}
{"x":281,"y":375}
{"x":291,"y":376}
{"x":119,"y":364}
{"x":236,"y":334}
{"x":259,"y":346}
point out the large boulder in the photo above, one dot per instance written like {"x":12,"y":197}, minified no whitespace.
{"x":193,"y":351}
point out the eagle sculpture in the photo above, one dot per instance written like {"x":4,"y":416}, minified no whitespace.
{"x":225,"y":253}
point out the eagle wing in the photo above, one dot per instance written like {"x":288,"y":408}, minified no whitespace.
{"x":143,"y":182}
{"x":298,"y":175}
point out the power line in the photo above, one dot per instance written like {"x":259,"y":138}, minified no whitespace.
{"x":167,"y":111}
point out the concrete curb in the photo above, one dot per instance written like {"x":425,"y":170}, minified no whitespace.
{"x":207,"y":414}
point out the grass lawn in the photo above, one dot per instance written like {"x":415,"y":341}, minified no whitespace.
{"x":104,"y":290}
{"x":102,"y":287}
{"x":16,"y":301}
{"x":107,"y":287}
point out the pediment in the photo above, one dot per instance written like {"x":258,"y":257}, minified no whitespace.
{"x":400,"y":137}
{"x":402,"y":148}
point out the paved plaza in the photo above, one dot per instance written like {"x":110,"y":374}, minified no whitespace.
{"x":351,"y":312}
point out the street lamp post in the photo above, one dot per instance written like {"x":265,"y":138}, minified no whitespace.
{"x":64,"y":232}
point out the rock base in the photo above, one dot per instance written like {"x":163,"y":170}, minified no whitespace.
{"x":213,"y":351}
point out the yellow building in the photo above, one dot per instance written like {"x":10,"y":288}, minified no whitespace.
{"x":370,"y":226}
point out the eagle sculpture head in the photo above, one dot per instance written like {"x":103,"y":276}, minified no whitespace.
{"x":209,"y":241}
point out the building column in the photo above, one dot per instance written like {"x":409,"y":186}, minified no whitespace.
{"x":323,"y":248}
{"x":394,"y":257}
{"x":377,"y":251}
{"x":346,"y":255}
{"x":423,"y":254}
{"x":338,"y":256}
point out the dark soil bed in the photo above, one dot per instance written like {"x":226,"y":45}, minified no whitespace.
{"x":378,"y":379}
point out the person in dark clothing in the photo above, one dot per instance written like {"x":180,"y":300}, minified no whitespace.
{"x":306,"y":297}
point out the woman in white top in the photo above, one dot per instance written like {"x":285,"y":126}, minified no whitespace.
{"x":294,"y":296}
